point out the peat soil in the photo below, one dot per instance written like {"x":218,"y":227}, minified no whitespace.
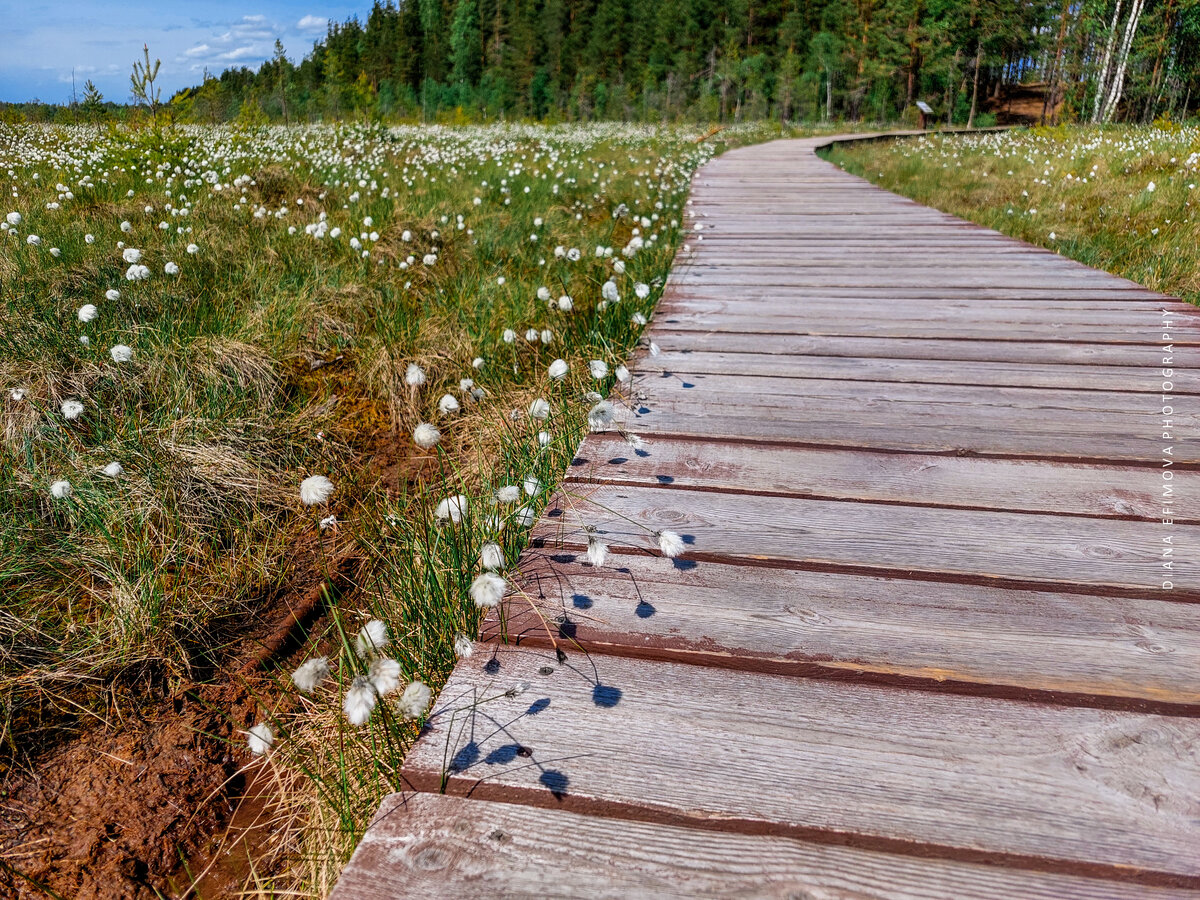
{"x":163,"y":800}
{"x":121,"y":810}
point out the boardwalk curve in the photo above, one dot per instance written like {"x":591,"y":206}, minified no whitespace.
{"x":918,"y":644}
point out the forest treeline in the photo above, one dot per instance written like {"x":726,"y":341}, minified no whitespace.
{"x":725,"y":60}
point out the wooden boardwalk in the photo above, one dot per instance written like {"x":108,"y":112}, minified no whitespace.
{"x":918,"y":645}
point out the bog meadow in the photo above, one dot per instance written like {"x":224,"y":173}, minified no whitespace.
{"x":292,"y":359}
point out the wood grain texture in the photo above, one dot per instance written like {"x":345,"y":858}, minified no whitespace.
{"x":430,"y":847}
{"x":1076,"y":648}
{"x":1044,"y":352}
{"x":950,"y":544}
{"x":910,"y":478}
{"x":1123,"y":379}
{"x":975,"y":779}
{"x":1125,"y":438}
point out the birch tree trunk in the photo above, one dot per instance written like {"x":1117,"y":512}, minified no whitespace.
{"x":1118,"y":81}
{"x":1105,"y":64}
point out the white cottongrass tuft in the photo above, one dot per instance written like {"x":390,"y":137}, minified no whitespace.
{"x":623,"y":375}
{"x":414,"y":701}
{"x":452,"y":508}
{"x":426,"y":436}
{"x":328,"y":522}
{"x":112,"y":294}
{"x":641,"y":290}
{"x":260,"y":738}
{"x":315,"y":490}
{"x":414,"y":375}
{"x":385,"y":676}
{"x":61,"y":490}
{"x":510,"y":493}
{"x":311,"y":673}
{"x":539,"y":409}
{"x":487,"y":590}
{"x":87,"y":312}
{"x":532,"y":485}
{"x":18,"y":394}
{"x":654,"y":349}
{"x":448,"y":404}
{"x":131,"y":255}
{"x":121,"y":353}
{"x":669,"y":543}
{"x":598,"y":368}
{"x":193,"y":248}
{"x":491,"y":556}
{"x":600,"y":416}
{"x":372,"y":638}
{"x":113,"y":470}
{"x":360,"y":700}
{"x":558,"y":369}
{"x":525,"y":516}
{"x":171,"y":268}
{"x":463,"y":647}
{"x":71,"y":409}
{"x":597,"y":550}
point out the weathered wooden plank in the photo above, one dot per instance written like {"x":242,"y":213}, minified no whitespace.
{"x":1029,"y":785}
{"x":655,"y":385}
{"x":1078,"y":648}
{"x":867,"y":296}
{"x":778,"y":307}
{"x":1047,"y":352}
{"x":900,"y":431}
{"x":852,"y":268}
{"x":747,"y":322}
{"x":951,"y":544}
{"x":1145,"y":378}
{"x":913,"y":478}
{"x":433,"y":847}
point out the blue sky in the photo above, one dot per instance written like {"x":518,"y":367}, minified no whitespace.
{"x":40,"y":42}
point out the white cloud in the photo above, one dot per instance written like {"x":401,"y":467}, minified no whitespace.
{"x":259,"y":18}
{"x":240,"y":53}
{"x":198,"y":50}
{"x":312,"y":23}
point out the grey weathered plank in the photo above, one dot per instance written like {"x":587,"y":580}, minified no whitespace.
{"x":1064,"y":403}
{"x":1025,"y":784}
{"x":953,"y":544}
{"x":433,"y":847}
{"x":911,"y":478}
{"x":1087,"y":646}
{"x":1000,"y":374}
{"x":1124,"y":440}
{"x":1036,"y":352}
{"x":747,"y":322}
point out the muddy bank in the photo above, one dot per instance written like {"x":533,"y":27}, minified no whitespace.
{"x":113,"y":813}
